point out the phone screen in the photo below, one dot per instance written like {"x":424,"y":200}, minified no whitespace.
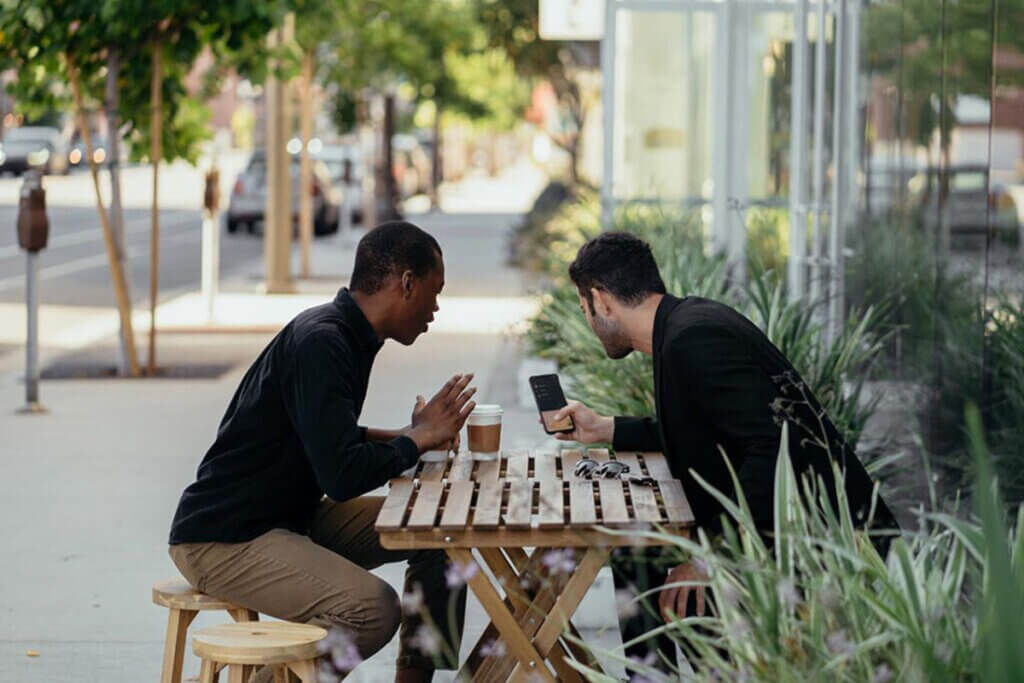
{"x":547,"y":391}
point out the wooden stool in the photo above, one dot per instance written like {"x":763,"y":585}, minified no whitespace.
{"x":288,"y":648}
{"x":184,"y":602}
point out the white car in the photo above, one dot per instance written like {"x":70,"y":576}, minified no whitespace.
{"x":249,"y":197}
{"x":39,"y":147}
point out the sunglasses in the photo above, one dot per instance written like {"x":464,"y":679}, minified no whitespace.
{"x":588,"y":468}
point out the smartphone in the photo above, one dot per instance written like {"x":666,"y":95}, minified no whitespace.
{"x":547,"y":391}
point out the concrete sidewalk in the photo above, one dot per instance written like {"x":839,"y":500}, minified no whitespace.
{"x":89,"y":489}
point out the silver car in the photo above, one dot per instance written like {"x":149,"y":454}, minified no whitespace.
{"x":973,"y":202}
{"x":249,"y":197}
{"x":40,"y":147}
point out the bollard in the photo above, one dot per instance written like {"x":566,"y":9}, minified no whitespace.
{"x":33,"y":231}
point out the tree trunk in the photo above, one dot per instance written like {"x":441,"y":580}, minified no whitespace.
{"x":389,"y":209}
{"x":156,"y":132}
{"x":306,"y":166}
{"x":435,"y":161}
{"x":124,"y":304}
{"x":113,"y":106}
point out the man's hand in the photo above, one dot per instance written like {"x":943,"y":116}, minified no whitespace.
{"x":436,"y":423}
{"x":589,"y":426}
{"x":672,"y":601}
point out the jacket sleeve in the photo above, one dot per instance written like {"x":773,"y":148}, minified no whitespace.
{"x":637,"y":434}
{"x":318,"y":397}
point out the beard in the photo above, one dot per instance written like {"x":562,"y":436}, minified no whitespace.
{"x":613,"y":337}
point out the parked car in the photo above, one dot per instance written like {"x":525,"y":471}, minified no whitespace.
{"x":249,"y":197}
{"x":335,"y":158}
{"x":972,"y":202}
{"x":39,"y":147}
{"x":100,"y":151}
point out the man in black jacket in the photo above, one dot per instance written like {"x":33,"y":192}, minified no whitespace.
{"x":277,"y":520}
{"x":718,"y":382}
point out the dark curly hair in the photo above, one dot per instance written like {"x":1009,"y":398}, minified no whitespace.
{"x":618,"y":263}
{"x":389,"y":250}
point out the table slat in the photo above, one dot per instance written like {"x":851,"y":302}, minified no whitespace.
{"x":456,"y":509}
{"x":424,"y":510}
{"x":645,"y":505}
{"x":462,"y":468}
{"x":488,"y":470}
{"x":613,"y":502}
{"x":518,"y":464}
{"x":393,"y":511}
{"x":657,"y":466}
{"x":569,"y":460}
{"x":631,"y":460}
{"x":677,"y":508}
{"x":552,"y":503}
{"x":433,"y":471}
{"x":520,"y":502}
{"x":598,"y":454}
{"x":544,"y":466}
{"x":581,"y":502}
{"x":488,"y":504}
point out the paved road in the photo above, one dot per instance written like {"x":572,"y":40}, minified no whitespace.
{"x":74,"y":270}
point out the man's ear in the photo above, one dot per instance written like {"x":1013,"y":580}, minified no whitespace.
{"x":602,"y":301}
{"x":407,"y":284}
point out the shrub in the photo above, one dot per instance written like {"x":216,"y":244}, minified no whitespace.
{"x":834,"y":372}
{"x":946,"y":604}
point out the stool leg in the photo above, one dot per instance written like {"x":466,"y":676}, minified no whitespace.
{"x":305,"y":670}
{"x":239,"y":673}
{"x":244,"y":615}
{"x":174,"y":644}
{"x":281,"y":674}
{"x":208,"y":672}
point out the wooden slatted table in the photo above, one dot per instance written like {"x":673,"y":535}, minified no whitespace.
{"x":501,"y":507}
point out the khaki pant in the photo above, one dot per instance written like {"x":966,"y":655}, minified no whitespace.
{"x":322,"y":579}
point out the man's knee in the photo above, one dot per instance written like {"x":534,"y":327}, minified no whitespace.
{"x":372,"y":621}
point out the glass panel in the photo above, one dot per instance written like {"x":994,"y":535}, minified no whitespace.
{"x":663,"y":105}
{"x":771,"y":69}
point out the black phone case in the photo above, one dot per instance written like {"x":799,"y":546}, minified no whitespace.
{"x":548,"y":394}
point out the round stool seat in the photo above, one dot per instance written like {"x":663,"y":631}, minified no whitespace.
{"x":178,"y":594}
{"x":267,"y":642}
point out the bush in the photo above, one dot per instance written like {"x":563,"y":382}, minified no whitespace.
{"x":947,"y":604}
{"x":834,"y":372}
{"x":938,"y":332}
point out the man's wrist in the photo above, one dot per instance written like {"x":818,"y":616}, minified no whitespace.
{"x":609,"y":429}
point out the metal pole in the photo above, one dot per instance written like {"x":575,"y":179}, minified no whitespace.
{"x":818,"y":177}
{"x":210,"y":262}
{"x":32,"y":334}
{"x":608,"y":113}
{"x":798,"y":159}
{"x":839,"y":162}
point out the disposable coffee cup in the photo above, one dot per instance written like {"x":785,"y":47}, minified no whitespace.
{"x":484,"y":431}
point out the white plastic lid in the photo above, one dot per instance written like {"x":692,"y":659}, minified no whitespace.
{"x":488,"y":410}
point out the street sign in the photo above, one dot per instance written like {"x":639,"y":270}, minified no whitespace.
{"x":571,"y":19}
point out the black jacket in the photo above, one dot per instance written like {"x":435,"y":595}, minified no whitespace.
{"x":719,"y":381}
{"x":290,"y":434}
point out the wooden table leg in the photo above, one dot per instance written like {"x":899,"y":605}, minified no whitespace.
{"x":549,"y":587}
{"x":535,"y":599}
{"x":559,"y":616}
{"x":515,"y":638}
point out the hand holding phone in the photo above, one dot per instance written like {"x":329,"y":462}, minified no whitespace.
{"x":547,"y":391}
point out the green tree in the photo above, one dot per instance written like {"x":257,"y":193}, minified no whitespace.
{"x":68,"y":53}
{"x":513,"y":26}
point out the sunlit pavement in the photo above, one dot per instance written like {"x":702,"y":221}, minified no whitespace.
{"x":89,"y":488}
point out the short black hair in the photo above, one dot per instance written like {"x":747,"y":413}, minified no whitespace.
{"x":389,"y":250}
{"x":618,"y":263}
